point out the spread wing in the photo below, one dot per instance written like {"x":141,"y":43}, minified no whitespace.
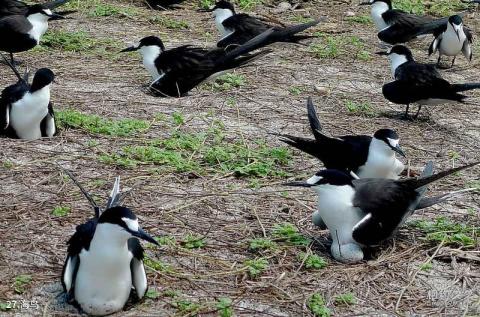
{"x":139,"y":278}
{"x":245,"y":28}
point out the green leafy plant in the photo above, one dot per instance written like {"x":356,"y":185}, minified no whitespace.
{"x":61,"y":211}
{"x":443,"y":229}
{"x":316,"y":304}
{"x":345,"y":299}
{"x":21,"y":282}
{"x":312,"y":261}
{"x":193,"y":242}
{"x":288,"y":233}
{"x":169,"y":23}
{"x":360,"y":108}
{"x":256,"y":266}
{"x":152,"y":294}
{"x":228,"y":81}
{"x":260,"y":244}
{"x":334,"y":46}
{"x":224,"y":306}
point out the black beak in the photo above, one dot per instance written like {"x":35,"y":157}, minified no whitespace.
{"x":206,"y":10}
{"x":399,"y":150}
{"x":298,"y":184}
{"x":144,"y":236}
{"x":382,"y":53}
{"x":55,"y":16}
{"x":129,"y":49}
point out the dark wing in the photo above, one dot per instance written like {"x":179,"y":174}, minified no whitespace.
{"x":80,"y":240}
{"x":139,"y":278}
{"x":11,"y":7}
{"x":469,"y":34}
{"x":48,"y":125}
{"x":10,"y":95}
{"x":467,"y":45}
{"x":385,"y":203}
{"x":13,"y":28}
{"x":406,"y":19}
{"x":245,"y":28}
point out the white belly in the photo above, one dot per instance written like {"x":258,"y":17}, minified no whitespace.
{"x":450,"y":45}
{"x":381,"y":168}
{"x":27,"y":114}
{"x":103,"y":284}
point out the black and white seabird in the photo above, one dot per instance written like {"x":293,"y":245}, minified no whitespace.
{"x":20,"y":33}
{"x":16,"y":7}
{"x":366,"y":156}
{"x":105,"y":259}
{"x":26,"y":110}
{"x":397,"y":26}
{"x":366,"y":212}
{"x":452,"y":39}
{"x":239,"y":28}
{"x":178,"y":70}
{"x":419,"y":83}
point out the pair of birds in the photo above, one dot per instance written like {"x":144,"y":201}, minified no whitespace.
{"x":177,"y":71}
{"x":417,"y":82}
{"x":360,"y":198}
{"x":22,"y":25}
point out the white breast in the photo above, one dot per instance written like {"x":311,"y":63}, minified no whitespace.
{"x":220,"y":16}
{"x":450,"y":45}
{"x":27,"y":113}
{"x":379,"y":8}
{"x":150,"y":54}
{"x":39,"y":24}
{"x":381,"y":162}
{"x":395,"y":61}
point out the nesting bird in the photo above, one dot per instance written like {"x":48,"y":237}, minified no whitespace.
{"x":104,"y":263}
{"x":452,"y":39}
{"x":16,"y":7}
{"x":365,"y":212}
{"x":26,"y":109}
{"x":366,"y":156}
{"x":177,"y":71}
{"x":239,"y":28}
{"x":419,"y":83}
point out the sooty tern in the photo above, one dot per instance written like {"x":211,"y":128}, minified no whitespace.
{"x":361,"y":154}
{"x":177,"y":71}
{"x":237,"y":29}
{"x":366,"y":212}
{"x":16,"y":7}
{"x":105,"y":259}
{"x":419,"y":83}
{"x":20,"y":33}
{"x":397,"y":26}
{"x":452,"y":39}
{"x":26,"y":110}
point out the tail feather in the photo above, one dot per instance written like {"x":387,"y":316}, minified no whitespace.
{"x":313,"y":119}
{"x":431,"y":201}
{"x":288,"y":33}
{"x":247,"y":59}
{"x":308,"y":146}
{"x":257,"y":42}
{"x":465,"y":87}
{"x":12,"y":67}
{"x":420,"y":182}
{"x":84,"y":192}
{"x":114,"y":198}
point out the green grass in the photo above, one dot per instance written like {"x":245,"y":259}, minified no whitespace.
{"x":346,"y":299}
{"x":98,"y":8}
{"x":340,"y":45}
{"x":152,"y":294}
{"x":21,"y":282}
{"x":224,"y":306}
{"x":438,"y":8}
{"x":169,"y":23}
{"x":295,"y":90}
{"x":444,"y":229}
{"x":426,"y":266}
{"x":227,"y":81}
{"x":256,"y":266}
{"x":98,"y":125}
{"x":7,"y":164}
{"x":288,"y":233}
{"x":157,"y":265}
{"x":61,"y":211}
{"x":205,"y":152}
{"x":186,"y":307}
{"x":363,"y":108}
{"x":312,"y":261}
{"x":316,"y":304}
{"x":360,"y":19}
{"x":261,"y":244}
{"x":193,"y":242}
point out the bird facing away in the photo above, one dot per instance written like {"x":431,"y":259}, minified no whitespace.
{"x":178,"y":70}
{"x":452,"y":39}
{"x":372,"y":157}
{"x":419,"y":83}
{"x":26,"y":111}
{"x":366,"y":212}
{"x":397,"y":26}
{"x":20,"y":33}
{"x":16,"y":7}
{"x":239,"y":28}
{"x":105,"y":259}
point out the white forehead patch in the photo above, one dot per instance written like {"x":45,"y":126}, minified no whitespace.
{"x":393,"y":142}
{"x":314,"y":179}
{"x":47,"y":11}
{"x":131,"y":224}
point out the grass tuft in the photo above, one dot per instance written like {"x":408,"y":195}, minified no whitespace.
{"x":256,"y":266}
{"x":443,"y":229}
{"x":288,"y":233}
{"x":316,"y":304}
{"x":346,"y":299}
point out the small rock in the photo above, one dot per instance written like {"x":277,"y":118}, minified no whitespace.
{"x":350,"y":14}
{"x":321,"y":90}
{"x":282,"y":7}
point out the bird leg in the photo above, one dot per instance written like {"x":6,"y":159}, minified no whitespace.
{"x":439,"y":60}
{"x":453,"y":61}
{"x":406,"y":112}
{"x":418,"y":111}
{"x":12,"y":61}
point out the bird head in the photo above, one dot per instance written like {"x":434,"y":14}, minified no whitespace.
{"x":43,"y":77}
{"x":390,"y":139}
{"x":222,"y":5}
{"x":43,"y":12}
{"x":146,"y":45}
{"x":456,"y":22}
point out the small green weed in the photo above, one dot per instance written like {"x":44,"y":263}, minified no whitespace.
{"x":438,"y":8}
{"x":166,"y":241}
{"x":61,"y":211}
{"x":364,"y":108}
{"x":443,"y":229}
{"x":187,"y":307}
{"x":107,"y":10}
{"x":312,"y":261}
{"x":171,"y":293}
{"x":7,"y":164}
{"x":295,"y":90}
{"x":152,"y":294}
{"x":169,"y":23}
{"x":224,"y":306}
{"x":334,"y":46}
{"x":227,"y":82}
{"x":345,"y":299}
{"x":5,"y":306}
{"x":97,"y":125}
{"x":157,"y":265}
{"x":248,"y":4}
{"x":261,"y":244}
{"x":21,"y":282}
{"x":206,"y":4}
{"x":316,"y":304}
{"x":288,"y":233}
{"x":361,"y":19}
{"x":193,"y":242}
{"x":426,"y":266}
{"x":256,"y":266}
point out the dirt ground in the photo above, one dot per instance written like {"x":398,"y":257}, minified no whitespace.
{"x":224,"y":209}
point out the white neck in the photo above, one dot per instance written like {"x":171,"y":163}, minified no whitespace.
{"x":395,"y":61}
{"x":109,"y":237}
{"x":150,"y":54}
{"x":379,"y":8}
{"x":39,"y":24}
{"x":220,"y":16}
{"x":378,"y":147}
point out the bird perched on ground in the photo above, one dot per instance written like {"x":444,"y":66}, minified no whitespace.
{"x":105,"y":259}
{"x":26,"y":111}
{"x":20,"y":33}
{"x":361,"y":154}
{"x":366,"y":212}
{"x":419,"y":83}
{"x":16,"y":7}
{"x":452,"y":39}
{"x":177,"y":71}
{"x":238,"y":28}
{"x":163,"y":4}
{"x":397,"y":26}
